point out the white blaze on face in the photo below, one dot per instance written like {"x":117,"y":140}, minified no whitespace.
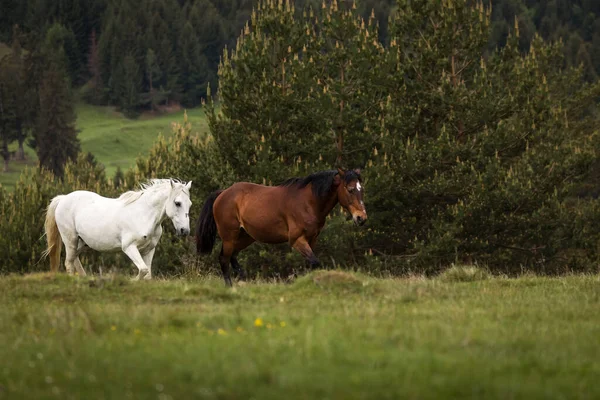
{"x":358,"y":186}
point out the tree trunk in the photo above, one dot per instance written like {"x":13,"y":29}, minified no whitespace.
{"x":5,"y":154}
{"x":21,"y":150}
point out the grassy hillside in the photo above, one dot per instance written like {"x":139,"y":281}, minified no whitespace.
{"x":112,"y":138}
{"x":328,"y":335}
{"x":118,"y":141}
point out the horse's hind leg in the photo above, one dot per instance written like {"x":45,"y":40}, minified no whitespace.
{"x":80,"y":270}
{"x":80,"y":246}
{"x":238,"y":268}
{"x":244,"y":240}
{"x":224,"y":259}
{"x":70,"y":256}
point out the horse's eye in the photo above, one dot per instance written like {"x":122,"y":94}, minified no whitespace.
{"x":351,"y":190}
{"x":177,"y":204}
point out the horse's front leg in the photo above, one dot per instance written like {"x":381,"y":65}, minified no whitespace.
{"x":301,"y":244}
{"x":134,"y":254}
{"x":148,"y":261}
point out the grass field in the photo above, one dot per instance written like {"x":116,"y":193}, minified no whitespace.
{"x":328,"y":335}
{"x":115,"y":140}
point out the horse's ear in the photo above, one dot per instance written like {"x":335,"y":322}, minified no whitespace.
{"x":172,"y":184}
{"x":341,"y":172}
{"x":188,"y":185}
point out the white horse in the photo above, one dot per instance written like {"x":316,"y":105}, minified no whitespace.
{"x":131,"y":223}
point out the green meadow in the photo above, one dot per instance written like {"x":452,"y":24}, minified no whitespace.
{"x":327,"y":335}
{"x":114,"y":140}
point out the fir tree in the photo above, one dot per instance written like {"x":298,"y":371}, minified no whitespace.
{"x":194,"y":67}
{"x":21,"y":94}
{"x":55,"y":135}
{"x":153,"y":75}
{"x":470,"y":167}
{"x":7,"y":117}
{"x":129,"y":86}
{"x":94,"y":68}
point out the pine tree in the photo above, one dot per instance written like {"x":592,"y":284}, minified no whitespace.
{"x":94,"y":68}
{"x":206,"y":21}
{"x":470,"y":167}
{"x":155,"y":95}
{"x":119,"y":178}
{"x":193,"y":67}
{"x":7,"y":116}
{"x":55,"y":136}
{"x":129,"y":86}
{"x":21,"y":94}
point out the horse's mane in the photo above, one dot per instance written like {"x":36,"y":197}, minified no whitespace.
{"x":152,"y":185}
{"x":321,"y":181}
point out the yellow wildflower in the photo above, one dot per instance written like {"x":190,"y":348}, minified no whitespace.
{"x":221,"y":332}
{"x":258,"y":322}
{"x":282,"y":324}
{"x":113,"y":328}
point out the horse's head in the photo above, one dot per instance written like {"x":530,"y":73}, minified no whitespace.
{"x":350,"y":194}
{"x":178,"y":207}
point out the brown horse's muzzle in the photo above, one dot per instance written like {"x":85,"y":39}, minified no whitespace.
{"x":359,"y":218}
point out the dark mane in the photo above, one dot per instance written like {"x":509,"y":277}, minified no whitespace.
{"x":321,"y":181}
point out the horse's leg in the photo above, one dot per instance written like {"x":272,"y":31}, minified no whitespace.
{"x":148,"y":260}
{"x":70,"y":256}
{"x":244,"y":240}
{"x":134,"y":254}
{"x":237,"y":268}
{"x":70,"y":239}
{"x":312,"y":242}
{"x":79,"y":267}
{"x":80,"y":246}
{"x":224,"y":259}
{"x":301,"y":244}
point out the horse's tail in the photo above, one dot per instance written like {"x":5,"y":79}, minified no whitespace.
{"x":206,"y":230}
{"x":53,"y":235}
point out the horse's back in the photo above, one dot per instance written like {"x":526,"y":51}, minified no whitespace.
{"x":77,"y":199}
{"x":84,"y":205}
{"x":257,"y":208}
{"x":243,"y":193}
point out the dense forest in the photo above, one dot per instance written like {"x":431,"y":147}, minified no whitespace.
{"x":142,"y":55}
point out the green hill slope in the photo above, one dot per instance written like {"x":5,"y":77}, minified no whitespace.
{"x":114,"y":140}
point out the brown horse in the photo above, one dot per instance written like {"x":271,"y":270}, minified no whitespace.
{"x":292,"y":212}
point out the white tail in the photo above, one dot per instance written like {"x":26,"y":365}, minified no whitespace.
{"x":53,"y":235}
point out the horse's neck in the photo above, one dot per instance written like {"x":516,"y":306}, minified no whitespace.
{"x":326,"y":204}
{"x":155,"y":207}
